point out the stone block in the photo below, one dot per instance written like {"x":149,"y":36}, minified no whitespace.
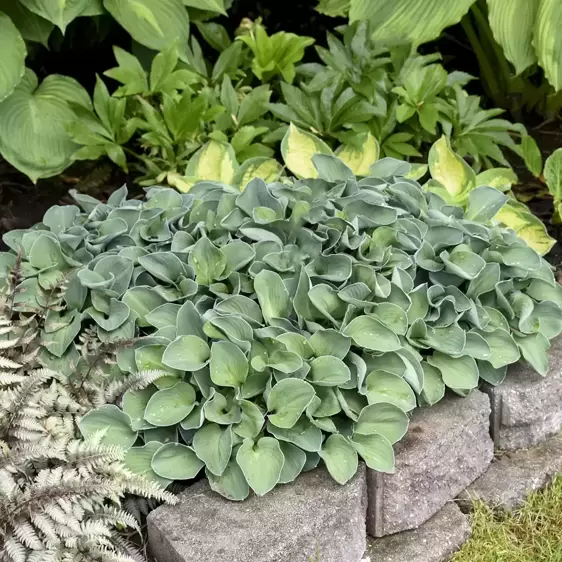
{"x":512,"y":476}
{"x":290,"y":524}
{"x":446,"y":448}
{"x":435,"y":541}
{"x":526,"y":407}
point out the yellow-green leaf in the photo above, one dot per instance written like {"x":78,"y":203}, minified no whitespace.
{"x":516,"y":215}
{"x":214,"y":161}
{"x":59,"y":12}
{"x":548,"y":40}
{"x":298,"y":147}
{"x":513,"y":25}
{"x":268,"y":169}
{"x":359,"y":156}
{"x":416,"y":21}
{"x":450,"y":170}
{"x":500,"y":178}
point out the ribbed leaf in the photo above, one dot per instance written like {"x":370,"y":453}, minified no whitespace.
{"x":417,"y":21}
{"x":30,"y":25}
{"x":59,"y":12}
{"x":548,"y":40}
{"x":513,"y":23}
{"x":13,"y":56}
{"x":33,"y":137}
{"x":153,"y":23}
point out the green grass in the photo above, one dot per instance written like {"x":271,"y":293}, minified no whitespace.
{"x":530,"y":534}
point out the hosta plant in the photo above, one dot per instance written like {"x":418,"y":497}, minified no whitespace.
{"x":297,"y":322}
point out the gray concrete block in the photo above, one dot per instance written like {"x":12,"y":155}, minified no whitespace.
{"x":435,"y":541}
{"x":446,"y":448}
{"x":526,"y":407}
{"x":290,"y":524}
{"x":511,"y":477}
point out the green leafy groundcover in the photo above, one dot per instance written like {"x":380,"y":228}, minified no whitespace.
{"x":295,"y":322}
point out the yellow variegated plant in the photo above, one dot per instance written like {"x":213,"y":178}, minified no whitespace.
{"x":453,"y":180}
{"x":298,"y":148}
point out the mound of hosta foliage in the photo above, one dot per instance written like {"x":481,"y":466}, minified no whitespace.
{"x":297,"y":321}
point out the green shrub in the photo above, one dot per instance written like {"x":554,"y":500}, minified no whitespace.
{"x":295,"y":321}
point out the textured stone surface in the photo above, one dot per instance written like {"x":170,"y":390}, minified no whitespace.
{"x":513,"y":476}
{"x":527,"y":408}
{"x":287,"y":525}
{"x":435,"y":541}
{"x":446,"y":448}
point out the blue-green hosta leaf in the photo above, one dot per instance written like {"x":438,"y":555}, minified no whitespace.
{"x":231,"y":484}
{"x":543,"y":291}
{"x":187,"y":353}
{"x":303,"y":434}
{"x":392,"y":316}
{"x":375,"y":450}
{"x":297,"y":344}
{"x":236,"y":329}
{"x":163,"y":316}
{"x":12,"y":65}
{"x":340,"y":457}
{"x":272,"y":295}
{"x":142,"y":301}
{"x":463,"y":262}
{"x":485,"y":281}
{"x":59,"y":341}
{"x":433,"y":385}
{"x":370,"y":333}
{"x":252,"y":420}
{"x":115,"y":424}
{"x":382,"y":418}
{"x":213,"y":445}
{"x":490,"y":374}
{"x":189,"y":321}
{"x":218,"y":409}
{"x":117,"y":315}
{"x":175,"y":461}
{"x":60,"y":217}
{"x":207,"y":261}
{"x":298,"y":148}
{"x":382,"y":386}
{"x":170,"y":405}
{"x":328,"y":371}
{"x":156,"y":24}
{"x":33,"y":136}
{"x":134,"y":405}
{"x":287,"y":401}
{"x":139,"y":461}
{"x":165,"y":266}
{"x":545,"y":318}
{"x":335,"y":268}
{"x":237,"y":254}
{"x":534,"y":349}
{"x":484,"y":203}
{"x":261,"y":463}
{"x":503,"y":348}
{"x":457,"y":372}
{"x":295,"y":459}
{"x":330,"y":342}
{"x":242,"y":306}
{"x":331,"y":168}
{"x":325,"y":299}
{"x":229,"y":365}
{"x":59,"y":13}
{"x":161,"y":435}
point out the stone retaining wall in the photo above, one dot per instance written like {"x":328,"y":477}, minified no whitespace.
{"x":446,"y":460}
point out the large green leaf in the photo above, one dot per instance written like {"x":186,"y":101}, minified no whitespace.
{"x":213,"y":445}
{"x":30,"y":25}
{"x":187,"y":353}
{"x":383,"y":418}
{"x":375,"y":450}
{"x":548,"y":42}
{"x":231,"y":483}
{"x":382,"y":386}
{"x":513,"y":26}
{"x":229,"y":365}
{"x":59,"y":12}
{"x":415,"y":21}
{"x":272,"y":295}
{"x":33,"y":120}
{"x":156,"y":24}
{"x":553,"y":174}
{"x":139,"y":461}
{"x":370,"y":333}
{"x":261,"y":463}
{"x":12,"y":61}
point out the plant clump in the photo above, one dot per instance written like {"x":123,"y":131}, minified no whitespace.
{"x":295,"y":322}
